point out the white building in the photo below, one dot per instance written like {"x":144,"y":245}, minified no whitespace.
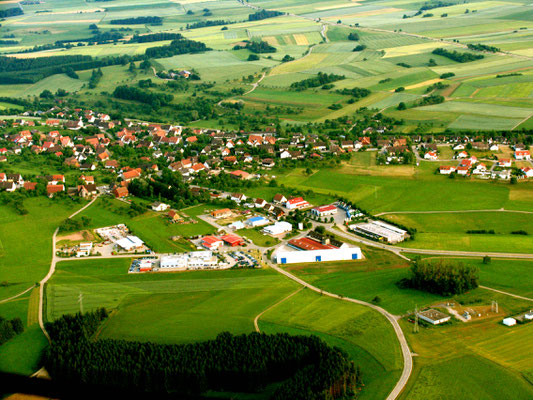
{"x":430,"y":155}
{"x":295,"y":203}
{"x":157,"y":206}
{"x":509,"y":321}
{"x":84,"y":249}
{"x":323,"y":211}
{"x":381,"y":231}
{"x":434,"y":317}
{"x":130,"y":243}
{"x":278,"y":228}
{"x":256,"y":221}
{"x":193,"y":260}
{"x":311,"y":256}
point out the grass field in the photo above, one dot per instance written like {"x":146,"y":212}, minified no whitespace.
{"x":448,"y":231}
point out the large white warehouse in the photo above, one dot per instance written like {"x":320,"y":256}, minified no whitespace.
{"x":342,"y":254}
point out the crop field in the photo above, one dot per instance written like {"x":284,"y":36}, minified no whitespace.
{"x":349,"y":326}
{"x":152,"y":227}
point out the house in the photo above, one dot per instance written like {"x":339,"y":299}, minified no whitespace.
{"x":494,"y":147}
{"x":323,"y":211}
{"x":296,"y":202}
{"x":131,"y":174}
{"x":505,"y":162}
{"x":174,"y":216}
{"x":279,"y":198}
{"x":30,"y":185}
{"x":446,"y":169}
{"x":259,"y":203}
{"x":86,"y":179}
{"x":459,"y":146}
{"x":55,"y":179}
{"x":111,"y":164}
{"x":238,"y":197}
{"x":224,"y":213}
{"x":52,"y":189}
{"x":16,"y":179}
{"x":463,"y":170}
{"x":243,"y":175}
{"x":120,"y":192}
{"x":158,"y":206}
{"x":268,"y":163}
{"x":522,"y":155}
{"x":430,"y":155}
{"x":528,"y":172}
{"x":87,"y":190}
{"x":211,"y":242}
{"x":462,"y":154}
{"x":8,"y":186}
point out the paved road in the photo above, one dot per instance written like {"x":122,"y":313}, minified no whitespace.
{"x":406,"y":352}
{"x":55,"y":259}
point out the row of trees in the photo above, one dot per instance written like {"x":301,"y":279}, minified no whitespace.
{"x":319,"y":80}
{"x":178,"y":46}
{"x":257,"y":47}
{"x":457,"y":56}
{"x":155,"y":37}
{"x":307,"y":366}
{"x":444,"y":277}
{"x":203,"y":24}
{"x":483,"y":47}
{"x":154,"y":20}
{"x":356,"y":92}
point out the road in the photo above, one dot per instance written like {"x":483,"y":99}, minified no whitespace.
{"x":55,"y":259}
{"x":454,"y":212}
{"x":17,"y":295}
{"x":406,"y":352}
{"x":256,"y":319}
{"x":507,"y":293}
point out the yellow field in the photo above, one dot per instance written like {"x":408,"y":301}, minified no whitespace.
{"x":368,"y":13}
{"x":409,"y":50}
{"x":78,"y":21}
{"x":300,"y":39}
{"x":300,"y":65}
{"x":271,"y":40}
{"x":354,"y":3}
{"x":425,"y":83}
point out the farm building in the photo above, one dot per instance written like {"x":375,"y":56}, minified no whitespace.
{"x":256,"y":221}
{"x":130,"y":243}
{"x":224,"y":213}
{"x":434,"y":317}
{"x":509,"y":321}
{"x":211,"y":242}
{"x":381,"y":231}
{"x":297,"y":202}
{"x":232,"y":240}
{"x":278,"y":228}
{"x":318,"y":255}
{"x":322,"y":211}
{"x":84,"y":249}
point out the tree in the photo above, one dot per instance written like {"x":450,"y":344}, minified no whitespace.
{"x":487,"y":260}
{"x":253,"y":57}
{"x":401,"y":106}
{"x":46,"y":94}
{"x":132,"y":67}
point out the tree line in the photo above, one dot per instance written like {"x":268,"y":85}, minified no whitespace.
{"x":319,"y":80}
{"x":178,"y":46}
{"x":263,"y":14}
{"x":257,"y":47}
{"x":306,"y":366}
{"x":203,"y":24}
{"x":11,"y":12}
{"x":482,"y":47}
{"x":457,"y":56}
{"x":153,"y":20}
{"x":155,"y":37}
{"x":444,"y":277}
{"x":356,"y":92}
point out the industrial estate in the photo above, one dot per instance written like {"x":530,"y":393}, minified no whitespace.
{"x":323,"y":199}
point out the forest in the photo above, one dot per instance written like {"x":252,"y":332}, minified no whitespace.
{"x":319,"y":80}
{"x":306,"y":367}
{"x":11,"y":12}
{"x":10,"y":328}
{"x":155,"y":100}
{"x":257,"y":47}
{"x":444,"y":277}
{"x":457,"y":56}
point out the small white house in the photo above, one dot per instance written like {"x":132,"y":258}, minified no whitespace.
{"x":509,"y":321}
{"x":157,"y":206}
{"x":430,"y":155}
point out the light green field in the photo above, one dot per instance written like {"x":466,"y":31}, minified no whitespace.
{"x":258,"y":238}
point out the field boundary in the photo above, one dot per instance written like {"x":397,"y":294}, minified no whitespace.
{"x":256,"y":319}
